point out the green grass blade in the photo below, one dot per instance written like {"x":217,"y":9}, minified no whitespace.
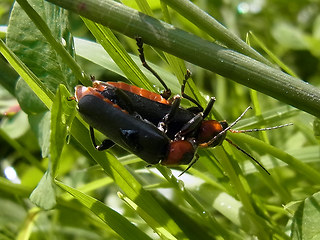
{"x":213,"y":28}
{"x":309,"y":172}
{"x":238,"y":181}
{"x":34,"y":83}
{"x":23,"y":152}
{"x":15,"y":189}
{"x":62,"y":114}
{"x":116,"y":221}
{"x":272,"y":56}
{"x":208,"y":219}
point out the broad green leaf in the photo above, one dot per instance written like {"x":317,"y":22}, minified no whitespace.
{"x":40,"y":124}
{"x":306,"y":219}
{"x":272,"y":56}
{"x":44,"y":195}
{"x":8,"y":76}
{"x":16,"y":125}
{"x":27,"y":42}
{"x":28,"y":100}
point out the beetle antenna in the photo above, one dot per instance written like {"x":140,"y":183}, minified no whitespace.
{"x":195,"y":159}
{"x":260,"y":129}
{"x":207,"y":144}
{"x":240,"y":149}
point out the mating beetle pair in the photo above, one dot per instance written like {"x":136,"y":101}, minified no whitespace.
{"x":149,"y":125}
{"x":130,"y":131}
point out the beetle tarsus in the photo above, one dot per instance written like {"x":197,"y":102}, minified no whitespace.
{"x":183,"y":94}
{"x":106,"y":144}
{"x":195,"y":159}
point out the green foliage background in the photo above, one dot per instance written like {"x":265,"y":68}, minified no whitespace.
{"x":65,"y":189}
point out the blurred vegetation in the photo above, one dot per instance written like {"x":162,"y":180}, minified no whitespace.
{"x":223,"y":196}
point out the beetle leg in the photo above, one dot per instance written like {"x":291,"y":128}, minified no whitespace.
{"x":167,"y":92}
{"x":183,"y":94}
{"x":190,"y":126}
{"x":127,"y":102}
{"x":195,"y":159}
{"x":209,"y":107}
{"x":240,"y":149}
{"x":163,"y":124}
{"x":118,"y":96}
{"x":107,"y":143}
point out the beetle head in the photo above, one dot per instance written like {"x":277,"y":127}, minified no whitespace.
{"x":212,"y":133}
